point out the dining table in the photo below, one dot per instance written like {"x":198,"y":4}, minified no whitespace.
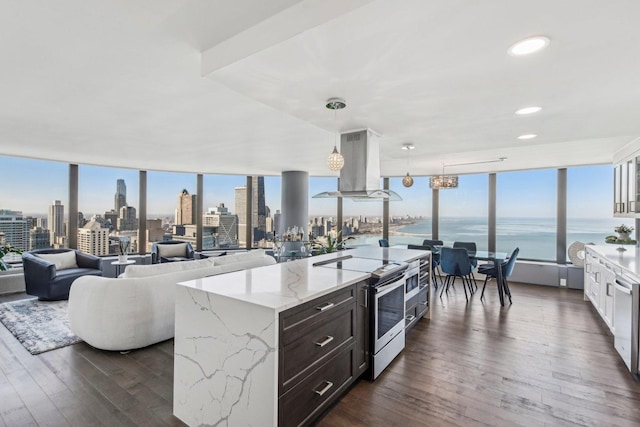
{"x":493,"y":256}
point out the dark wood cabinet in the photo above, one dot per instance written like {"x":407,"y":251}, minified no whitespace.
{"x":323,"y":349}
{"x":361,"y":356}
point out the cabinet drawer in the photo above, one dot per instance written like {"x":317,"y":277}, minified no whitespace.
{"x":307,"y":399}
{"x":423,"y":302}
{"x":301,"y":320}
{"x":308,"y":351}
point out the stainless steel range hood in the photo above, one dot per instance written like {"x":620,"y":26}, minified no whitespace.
{"x":360,"y":176}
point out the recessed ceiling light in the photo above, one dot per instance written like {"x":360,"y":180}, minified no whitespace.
{"x":408,"y":147}
{"x":528,"y":110}
{"x":530,"y":45}
{"x":527,"y":136}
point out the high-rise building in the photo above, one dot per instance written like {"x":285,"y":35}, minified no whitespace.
{"x":258,"y":211}
{"x":186,"y":209}
{"x":39,"y":238}
{"x":15,"y":229}
{"x":276,"y":223}
{"x":127,"y":220}
{"x":224,"y":226}
{"x":81,"y":220}
{"x":93,"y":238}
{"x":120,"y":198}
{"x":241,"y":213}
{"x":42,"y":222}
{"x":56,"y":224}
{"x":111,"y":218}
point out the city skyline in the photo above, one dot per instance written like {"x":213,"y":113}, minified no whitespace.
{"x":586,"y":187}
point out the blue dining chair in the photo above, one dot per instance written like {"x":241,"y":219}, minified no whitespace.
{"x":471,"y":247}
{"x":507,"y":268}
{"x":383,"y":243}
{"x":435,"y":257}
{"x":455,"y":263}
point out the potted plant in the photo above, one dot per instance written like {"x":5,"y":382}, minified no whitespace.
{"x":328,"y":244}
{"x":123,"y":249}
{"x":4,"y":250}
{"x":623,"y":231}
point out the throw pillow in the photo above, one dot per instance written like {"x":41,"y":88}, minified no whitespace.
{"x":173,"y":250}
{"x":62,"y":260}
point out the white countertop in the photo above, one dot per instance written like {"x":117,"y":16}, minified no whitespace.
{"x":288,"y":284}
{"x":628,"y":260}
{"x":280,"y":286}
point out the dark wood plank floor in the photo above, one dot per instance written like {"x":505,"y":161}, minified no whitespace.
{"x":546,"y":360}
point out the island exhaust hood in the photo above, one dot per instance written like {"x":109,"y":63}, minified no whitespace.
{"x":360,"y":176}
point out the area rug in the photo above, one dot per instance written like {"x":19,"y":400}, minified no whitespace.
{"x":39,"y":325}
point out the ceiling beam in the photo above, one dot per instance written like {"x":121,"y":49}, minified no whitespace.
{"x":282,"y":26}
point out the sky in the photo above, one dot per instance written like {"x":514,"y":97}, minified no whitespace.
{"x":30,"y":186}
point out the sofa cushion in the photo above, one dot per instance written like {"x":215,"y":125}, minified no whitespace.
{"x":165,"y":268}
{"x":239,"y":257}
{"x":172,"y":250}
{"x":62,"y":260}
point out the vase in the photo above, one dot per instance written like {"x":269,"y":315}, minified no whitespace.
{"x":122,"y":258}
{"x":623,"y":236}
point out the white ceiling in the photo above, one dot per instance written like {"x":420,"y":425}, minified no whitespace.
{"x":239,"y":86}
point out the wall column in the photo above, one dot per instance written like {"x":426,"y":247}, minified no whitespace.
{"x":492,"y":212}
{"x":561,"y":227}
{"x":435,"y":213}
{"x":339,"y":216}
{"x":72,"y":229}
{"x":142,"y":212}
{"x":199,"y":208}
{"x":385,"y":211}
{"x":295,"y":200}
{"x":248,"y":234}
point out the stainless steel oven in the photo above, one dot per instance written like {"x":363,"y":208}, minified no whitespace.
{"x":388,"y":302}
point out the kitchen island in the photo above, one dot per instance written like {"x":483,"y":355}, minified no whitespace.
{"x":240,"y":356}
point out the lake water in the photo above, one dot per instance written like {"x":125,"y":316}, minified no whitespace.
{"x":536,"y":237}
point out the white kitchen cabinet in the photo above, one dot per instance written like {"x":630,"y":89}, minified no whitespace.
{"x":626,"y":187}
{"x":607,"y":281}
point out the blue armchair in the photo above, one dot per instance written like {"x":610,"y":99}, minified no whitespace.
{"x":170,"y":251}
{"x":50,"y":276}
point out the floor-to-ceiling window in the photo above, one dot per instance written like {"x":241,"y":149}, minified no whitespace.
{"x":362,"y":220}
{"x":107,"y":205}
{"x":171,"y":207}
{"x":526,"y":211}
{"x":590,"y":205}
{"x":33,"y":204}
{"x":323,"y":212}
{"x":410,"y":218}
{"x":464,"y":211}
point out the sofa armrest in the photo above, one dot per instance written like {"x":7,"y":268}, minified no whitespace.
{"x":38,"y":270}
{"x":88,"y":261}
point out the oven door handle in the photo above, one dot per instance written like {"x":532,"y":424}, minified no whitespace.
{"x":388,"y":288}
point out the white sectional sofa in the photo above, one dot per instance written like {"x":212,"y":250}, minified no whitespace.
{"x":138,"y":308}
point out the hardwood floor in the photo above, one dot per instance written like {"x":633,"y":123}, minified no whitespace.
{"x":546,"y":360}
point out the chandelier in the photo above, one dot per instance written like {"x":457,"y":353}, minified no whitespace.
{"x":407,"y":181}
{"x":444,"y":182}
{"x":335,"y":161}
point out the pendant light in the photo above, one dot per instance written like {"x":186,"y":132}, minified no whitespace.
{"x":335,"y":161}
{"x":407,"y":181}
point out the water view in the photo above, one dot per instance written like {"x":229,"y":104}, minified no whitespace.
{"x":536,"y":237}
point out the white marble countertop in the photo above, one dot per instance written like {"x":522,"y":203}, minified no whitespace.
{"x":280,"y":286}
{"x":628,"y":260}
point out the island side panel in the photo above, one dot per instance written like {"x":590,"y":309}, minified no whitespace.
{"x":225,"y":361}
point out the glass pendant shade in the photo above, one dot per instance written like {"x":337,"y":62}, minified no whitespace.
{"x":335,"y":161}
{"x":407,"y":181}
